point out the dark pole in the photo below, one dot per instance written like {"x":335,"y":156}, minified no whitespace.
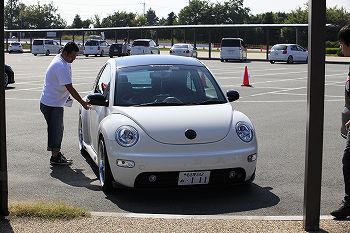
{"x":83,"y":38}
{"x":194,"y":38}
{"x":315,"y":114}
{"x":267,"y":43}
{"x":297,"y":35}
{"x":209,"y":31}
{"x":172,"y":37}
{"x":3,"y":157}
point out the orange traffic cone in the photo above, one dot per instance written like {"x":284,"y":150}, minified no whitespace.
{"x":246,"y":78}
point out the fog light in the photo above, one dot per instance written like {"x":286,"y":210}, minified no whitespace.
{"x":125,"y":163}
{"x":231,"y":174}
{"x":252,"y":158}
{"x":152,"y":178}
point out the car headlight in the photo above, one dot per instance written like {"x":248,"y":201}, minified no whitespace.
{"x":126,"y":136}
{"x":244,"y":131}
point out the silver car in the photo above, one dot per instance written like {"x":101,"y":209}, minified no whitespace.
{"x":289,"y":53}
{"x":186,"y":50}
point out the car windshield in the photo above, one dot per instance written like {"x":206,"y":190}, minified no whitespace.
{"x":279,"y":47}
{"x":91,"y":43}
{"x":15,"y":43}
{"x":180,"y":46}
{"x":230,"y":43}
{"x":141,"y":43}
{"x":166,"y":85}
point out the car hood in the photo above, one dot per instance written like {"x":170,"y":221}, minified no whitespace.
{"x":169,"y":125}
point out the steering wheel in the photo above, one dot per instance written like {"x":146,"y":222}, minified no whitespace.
{"x":132,"y":98}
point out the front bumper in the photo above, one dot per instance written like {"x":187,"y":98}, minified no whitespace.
{"x":166,"y":161}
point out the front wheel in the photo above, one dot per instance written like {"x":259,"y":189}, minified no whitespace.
{"x":105,"y":174}
{"x":272,"y":62}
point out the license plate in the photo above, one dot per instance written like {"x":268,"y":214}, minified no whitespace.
{"x":192,"y":178}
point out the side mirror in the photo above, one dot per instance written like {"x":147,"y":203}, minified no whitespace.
{"x":232,"y":95}
{"x":97,"y":99}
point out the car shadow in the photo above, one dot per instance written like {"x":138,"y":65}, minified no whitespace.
{"x":195,"y":201}
{"x":76,"y":177}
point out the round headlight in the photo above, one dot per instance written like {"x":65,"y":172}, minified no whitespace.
{"x":126,"y":136}
{"x":244,"y":131}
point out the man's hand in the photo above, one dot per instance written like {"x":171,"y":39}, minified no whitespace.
{"x":85,"y":105}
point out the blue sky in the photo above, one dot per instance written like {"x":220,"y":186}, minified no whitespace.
{"x":87,"y":8}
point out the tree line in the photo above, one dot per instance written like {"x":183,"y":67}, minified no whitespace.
{"x":20,"y":16}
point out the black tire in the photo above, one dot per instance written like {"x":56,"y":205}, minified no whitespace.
{"x":6,"y":80}
{"x":222,"y":60}
{"x":110,"y":56}
{"x":290,"y":60}
{"x":86,"y":55}
{"x":35,"y":54}
{"x":47,"y":53}
{"x":105,"y":174}
{"x":80,"y":137}
{"x":272,"y":62}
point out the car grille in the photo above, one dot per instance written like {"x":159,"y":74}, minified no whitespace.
{"x":170,"y":179}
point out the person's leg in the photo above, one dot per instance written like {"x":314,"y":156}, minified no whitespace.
{"x":344,"y":210}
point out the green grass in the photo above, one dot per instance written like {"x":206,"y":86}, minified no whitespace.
{"x":46,"y":210}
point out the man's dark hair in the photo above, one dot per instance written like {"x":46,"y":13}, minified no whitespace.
{"x":344,"y":35}
{"x":70,"y":47}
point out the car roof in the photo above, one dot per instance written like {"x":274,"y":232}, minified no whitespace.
{"x":144,"y":60}
{"x":143,"y":40}
{"x":231,"y":39}
{"x":181,"y":44}
{"x":285,"y":44}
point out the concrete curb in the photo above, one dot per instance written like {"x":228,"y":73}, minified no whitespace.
{"x":205,"y":217}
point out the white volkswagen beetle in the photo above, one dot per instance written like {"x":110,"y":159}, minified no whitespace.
{"x":159,"y":121}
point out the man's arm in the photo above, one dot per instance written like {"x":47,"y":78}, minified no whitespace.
{"x":76,"y":96}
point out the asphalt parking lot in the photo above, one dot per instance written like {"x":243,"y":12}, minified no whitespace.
{"x":276,"y":104}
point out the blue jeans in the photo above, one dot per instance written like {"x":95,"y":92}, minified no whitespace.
{"x":54,"y":120}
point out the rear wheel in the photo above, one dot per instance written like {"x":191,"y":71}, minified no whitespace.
{"x":290,"y":60}
{"x":86,"y":55}
{"x":222,"y":60}
{"x":47,"y":53}
{"x":80,"y":136}
{"x":6,"y":80}
{"x":105,"y":174}
{"x":272,"y":62}
{"x":35,"y":54}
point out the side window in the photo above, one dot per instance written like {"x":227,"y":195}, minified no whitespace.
{"x":301,"y":48}
{"x":103,"y":81}
{"x":294,"y":48}
{"x":49,"y":42}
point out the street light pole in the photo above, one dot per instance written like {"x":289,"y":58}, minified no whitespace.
{"x":3,"y":159}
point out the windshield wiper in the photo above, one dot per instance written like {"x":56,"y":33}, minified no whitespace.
{"x":210,"y":102}
{"x":158,"y":104}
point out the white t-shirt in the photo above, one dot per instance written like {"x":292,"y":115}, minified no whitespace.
{"x":58,"y":74}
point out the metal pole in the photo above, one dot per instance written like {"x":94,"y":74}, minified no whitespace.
{"x":3,"y":156}
{"x":315,"y":114}
{"x":296,"y":35}
{"x":209,"y":31}
{"x":194,"y":38}
{"x":267,"y":43}
{"x":172,"y":37}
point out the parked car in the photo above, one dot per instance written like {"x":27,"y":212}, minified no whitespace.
{"x":232,"y":49}
{"x":143,"y":129}
{"x":186,"y":50}
{"x":116,"y":50}
{"x":144,"y":46}
{"x":45,"y":46}
{"x":289,"y":53}
{"x":9,"y":76}
{"x":96,"y":47}
{"x":15,"y":47}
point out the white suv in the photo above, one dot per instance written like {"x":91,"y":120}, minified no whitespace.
{"x":144,"y":46}
{"x":45,"y":46}
{"x":96,"y":47}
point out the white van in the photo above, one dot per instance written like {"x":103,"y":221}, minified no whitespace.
{"x":45,"y":46}
{"x":96,"y":47}
{"x":232,"y":49}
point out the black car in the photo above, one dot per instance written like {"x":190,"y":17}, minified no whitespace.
{"x":116,"y":50}
{"x":9,"y":76}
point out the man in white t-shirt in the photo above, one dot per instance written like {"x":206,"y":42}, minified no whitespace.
{"x":56,"y":91}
